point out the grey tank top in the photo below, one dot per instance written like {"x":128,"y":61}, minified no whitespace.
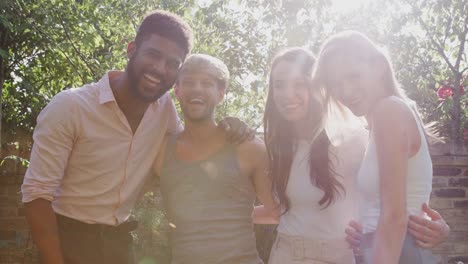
{"x":209,"y":205}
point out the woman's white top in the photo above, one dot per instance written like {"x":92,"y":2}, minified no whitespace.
{"x":306,"y":217}
{"x":418,"y":182}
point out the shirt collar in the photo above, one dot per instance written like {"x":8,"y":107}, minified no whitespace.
{"x":105,"y":92}
{"x":106,"y":95}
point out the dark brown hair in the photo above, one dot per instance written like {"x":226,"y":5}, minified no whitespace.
{"x":167,"y":25}
{"x":280,"y":140}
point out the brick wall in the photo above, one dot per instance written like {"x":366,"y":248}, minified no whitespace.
{"x":450,"y":198}
{"x":15,"y":239}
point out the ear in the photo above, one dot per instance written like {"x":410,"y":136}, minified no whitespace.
{"x":131,"y":49}
{"x":221,"y":93}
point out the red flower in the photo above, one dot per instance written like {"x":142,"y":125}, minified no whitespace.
{"x":444,"y":92}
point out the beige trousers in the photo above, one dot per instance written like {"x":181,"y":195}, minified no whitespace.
{"x":299,"y":250}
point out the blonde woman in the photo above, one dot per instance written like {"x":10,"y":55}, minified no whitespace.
{"x":395,"y":178}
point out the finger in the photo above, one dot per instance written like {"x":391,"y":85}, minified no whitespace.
{"x":241,"y":134}
{"x":423,"y":238}
{"x":419,"y":220}
{"x":423,"y":230}
{"x":433,"y":214}
{"x":424,"y":225}
{"x":352,"y":237}
{"x":419,"y":236}
{"x":224,"y":125}
{"x":353,"y":233}
{"x":352,"y":243}
{"x":356,"y":225}
{"x":423,"y":244}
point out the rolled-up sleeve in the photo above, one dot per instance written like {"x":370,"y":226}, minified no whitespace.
{"x":53,"y":141}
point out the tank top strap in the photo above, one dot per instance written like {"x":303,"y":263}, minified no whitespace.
{"x":170,"y":150}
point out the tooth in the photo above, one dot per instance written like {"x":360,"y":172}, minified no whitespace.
{"x":152,"y":78}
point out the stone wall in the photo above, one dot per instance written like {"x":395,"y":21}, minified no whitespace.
{"x":450,"y":198}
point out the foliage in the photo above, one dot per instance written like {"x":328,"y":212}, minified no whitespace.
{"x":50,"y":45}
{"x":434,"y":36}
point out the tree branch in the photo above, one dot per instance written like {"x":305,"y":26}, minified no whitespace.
{"x":464,"y":70}
{"x":438,"y":47}
{"x":74,"y":47}
{"x":461,"y":48}
{"x":34,"y":25}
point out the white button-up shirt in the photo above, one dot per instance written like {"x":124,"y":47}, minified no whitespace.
{"x":85,"y":158}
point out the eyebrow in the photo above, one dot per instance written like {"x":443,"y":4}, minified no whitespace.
{"x":151,"y":49}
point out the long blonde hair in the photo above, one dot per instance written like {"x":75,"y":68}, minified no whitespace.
{"x":358,"y":46}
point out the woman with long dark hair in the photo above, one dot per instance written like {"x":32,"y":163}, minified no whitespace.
{"x":311,"y":162}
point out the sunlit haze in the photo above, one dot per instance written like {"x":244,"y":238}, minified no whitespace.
{"x":344,"y":6}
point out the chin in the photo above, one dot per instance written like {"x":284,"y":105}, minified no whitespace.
{"x":358,"y":112}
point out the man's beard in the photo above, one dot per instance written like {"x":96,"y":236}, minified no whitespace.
{"x":135,"y":78}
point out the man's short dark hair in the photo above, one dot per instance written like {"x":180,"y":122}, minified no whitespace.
{"x":167,"y":25}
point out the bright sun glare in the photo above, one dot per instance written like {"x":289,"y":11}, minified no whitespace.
{"x":340,"y":6}
{"x":344,"y":6}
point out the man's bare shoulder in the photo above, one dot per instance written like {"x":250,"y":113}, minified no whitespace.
{"x":254,"y":148}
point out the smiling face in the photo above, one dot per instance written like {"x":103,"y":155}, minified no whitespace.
{"x":291,"y":91}
{"x":153,"y":66}
{"x":198,"y":94}
{"x":355,"y":83}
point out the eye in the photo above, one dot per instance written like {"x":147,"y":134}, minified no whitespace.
{"x":154,"y":55}
{"x":188,"y":83}
{"x":173,"y":65}
{"x":207,"y":83}
{"x":278,"y":85}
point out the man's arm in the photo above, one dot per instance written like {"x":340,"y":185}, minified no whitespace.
{"x":53,"y":141}
{"x":41,"y":218}
{"x":159,"y":162}
{"x":253,"y":153}
{"x":429,"y":233}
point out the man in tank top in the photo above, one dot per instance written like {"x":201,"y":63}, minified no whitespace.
{"x":208,"y":185}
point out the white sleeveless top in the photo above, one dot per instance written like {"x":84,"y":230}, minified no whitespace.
{"x":306,"y":218}
{"x":418,"y":182}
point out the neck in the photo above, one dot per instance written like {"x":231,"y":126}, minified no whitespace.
{"x":126,"y":99}
{"x":305,"y":129}
{"x":374,"y":102}
{"x":200,"y":131}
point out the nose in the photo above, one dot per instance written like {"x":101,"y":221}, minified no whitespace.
{"x":289,"y":91}
{"x":344,"y":92}
{"x":160,"y":66}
